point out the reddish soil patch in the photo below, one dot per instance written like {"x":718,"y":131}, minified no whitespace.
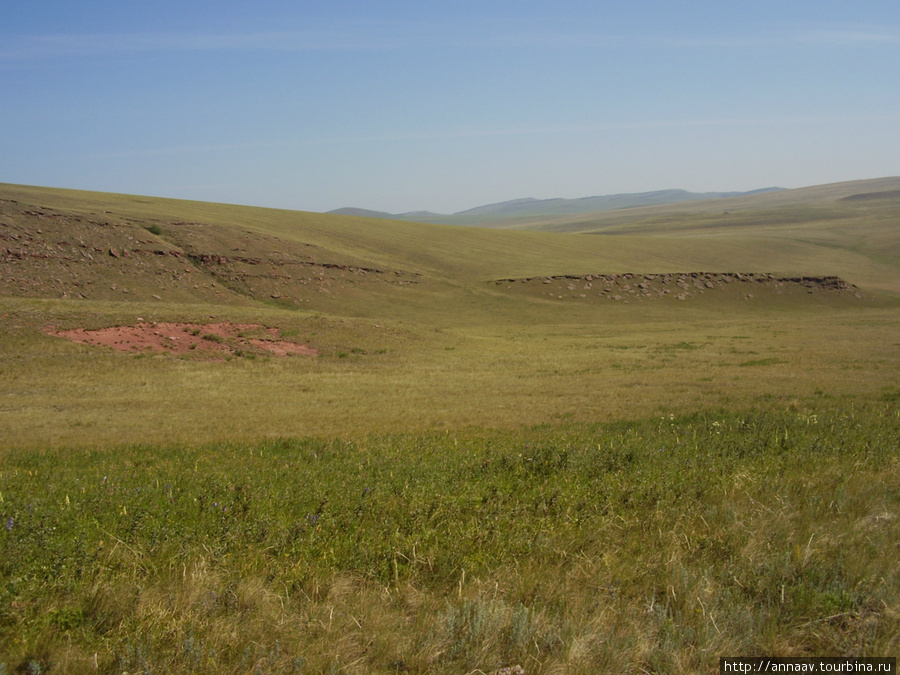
{"x":211,"y":340}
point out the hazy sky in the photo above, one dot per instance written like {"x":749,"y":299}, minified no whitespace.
{"x":401,"y":106}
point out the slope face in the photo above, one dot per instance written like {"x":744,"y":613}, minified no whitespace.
{"x":49,"y":252}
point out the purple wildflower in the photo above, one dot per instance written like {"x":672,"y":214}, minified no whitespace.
{"x":9,"y":524}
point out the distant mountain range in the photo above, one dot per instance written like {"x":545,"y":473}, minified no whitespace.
{"x":525,"y":208}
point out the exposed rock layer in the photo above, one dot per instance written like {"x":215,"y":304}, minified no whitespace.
{"x":680,"y":286}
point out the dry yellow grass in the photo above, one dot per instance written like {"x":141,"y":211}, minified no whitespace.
{"x":381,"y":378}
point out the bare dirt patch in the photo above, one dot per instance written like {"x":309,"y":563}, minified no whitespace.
{"x":205,"y":341}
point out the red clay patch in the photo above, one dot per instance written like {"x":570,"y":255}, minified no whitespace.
{"x":210,"y":340}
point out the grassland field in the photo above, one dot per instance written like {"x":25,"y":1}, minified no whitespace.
{"x":475,"y":472}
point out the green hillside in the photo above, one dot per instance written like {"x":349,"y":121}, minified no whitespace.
{"x":808,"y":231}
{"x":248,"y":440}
{"x":427,"y":325}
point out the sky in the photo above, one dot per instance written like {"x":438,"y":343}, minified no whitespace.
{"x":401,"y":106}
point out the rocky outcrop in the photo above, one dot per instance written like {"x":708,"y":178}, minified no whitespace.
{"x":680,"y":286}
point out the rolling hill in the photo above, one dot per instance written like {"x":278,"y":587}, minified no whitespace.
{"x":238,"y":439}
{"x":497,"y":215}
{"x":417,"y":325}
{"x":70,"y":244}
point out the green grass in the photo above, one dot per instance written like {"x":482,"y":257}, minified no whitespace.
{"x":762,"y":362}
{"x":655,"y":545}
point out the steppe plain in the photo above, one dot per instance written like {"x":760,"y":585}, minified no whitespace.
{"x":628,"y":441}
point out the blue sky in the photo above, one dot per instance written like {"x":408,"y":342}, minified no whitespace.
{"x":401,"y":106}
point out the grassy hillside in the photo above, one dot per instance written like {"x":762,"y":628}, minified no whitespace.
{"x":412,"y":329}
{"x":856,"y":221}
{"x":855,"y":240}
{"x":636,"y":444}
